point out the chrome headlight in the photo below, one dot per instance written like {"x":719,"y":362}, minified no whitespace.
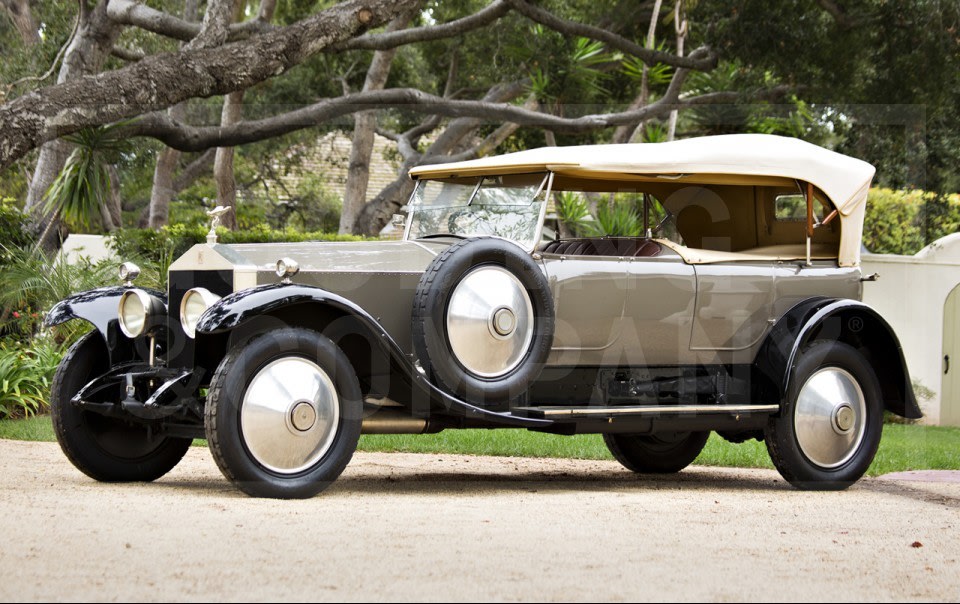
{"x":195,"y":302}
{"x":287,"y":267}
{"x":128,"y":272}
{"x":137,"y":310}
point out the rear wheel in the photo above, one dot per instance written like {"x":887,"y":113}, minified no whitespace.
{"x":283,"y":414}
{"x":829,"y":429}
{"x":104,"y":448}
{"x":663,"y":453}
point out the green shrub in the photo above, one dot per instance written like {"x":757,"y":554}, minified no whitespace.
{"x":26,"y":373}
{"x":31,"y":282}
{"x":903,"y":222}
{"x":14,"y":229}
{"x":311,"y":207}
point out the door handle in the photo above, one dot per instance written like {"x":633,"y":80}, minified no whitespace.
{"x":946,"y":364}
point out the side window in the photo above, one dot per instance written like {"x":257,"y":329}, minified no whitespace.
{"x":792,"y":207}
{"x":620,"y":214}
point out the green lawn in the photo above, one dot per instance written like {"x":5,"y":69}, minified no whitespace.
{"x":902,"y":448}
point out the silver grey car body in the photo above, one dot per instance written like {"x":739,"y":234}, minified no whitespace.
{"x":732,"y":315}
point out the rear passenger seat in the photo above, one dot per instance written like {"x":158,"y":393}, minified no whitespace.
{"x":604,"y":246}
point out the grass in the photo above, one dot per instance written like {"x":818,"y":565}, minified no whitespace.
{"x":903,"y":447}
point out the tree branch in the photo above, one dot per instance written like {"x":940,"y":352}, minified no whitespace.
{"x":166,"y":79}
{"x":701,"y":59}
{"x":131,"y":12}
{"x":126,"y":54}
{"x":194,"y":170}
{"x":215,"y":27}
{"x":189,"y":138}
{"x":387,"y":40}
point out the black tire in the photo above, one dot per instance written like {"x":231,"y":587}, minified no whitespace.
{"x":232,"y":449}
{"x":104,"y":448}
{"x":665,"y":453}
{"x":782,"y":435}
{"x":432,"y":342}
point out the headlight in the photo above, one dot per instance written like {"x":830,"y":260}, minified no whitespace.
{"x":128,"y":272}
{"x":287,"y":267}
{"x":195,"y":302}
{"x":136,"y":309}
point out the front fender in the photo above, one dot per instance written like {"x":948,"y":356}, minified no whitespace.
{"x":848,"y":321}
{"x":234,"y":310}
{"x":99,"y":308}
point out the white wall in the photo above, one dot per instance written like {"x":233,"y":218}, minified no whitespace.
{"x":910,"y":295}
{"x":93,"y":247}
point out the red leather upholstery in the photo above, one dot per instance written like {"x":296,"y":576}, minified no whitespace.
{"x":605,"y":246}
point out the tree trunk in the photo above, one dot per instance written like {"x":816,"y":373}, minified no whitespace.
{"x":681,"y":26}
{"x":163,"y":173}
{"x":624,"y":134}
{"x":19,"y":11}
{"x":231,"y":114}
{"x":223,"y":164}
{"x":365,"y":124}
{"x":162,"y":192}
{"x":114,"y":206}
{"x":91,"y":45}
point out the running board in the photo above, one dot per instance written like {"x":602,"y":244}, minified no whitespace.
{"x":643,"y":411}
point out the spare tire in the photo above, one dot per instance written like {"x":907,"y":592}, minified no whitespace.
{"x":483,"y":320}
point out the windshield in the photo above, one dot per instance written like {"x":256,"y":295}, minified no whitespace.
{"x":503,"y":206}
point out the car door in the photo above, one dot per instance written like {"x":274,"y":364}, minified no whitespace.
{"x":658,"y":314}
{"x":589,"y":293}
{"x":734,"y":307}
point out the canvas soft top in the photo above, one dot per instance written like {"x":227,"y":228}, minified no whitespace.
{"x":748,"y":157}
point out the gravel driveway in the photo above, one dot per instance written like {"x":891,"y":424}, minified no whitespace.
{"x":436,"y":527}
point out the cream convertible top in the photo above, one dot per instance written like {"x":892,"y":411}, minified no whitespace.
{"x":732,"y":158}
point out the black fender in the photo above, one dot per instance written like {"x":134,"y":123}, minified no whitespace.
{"x":843,"y":320}
{"x":236,"y":309}
{"x":99,"y":307}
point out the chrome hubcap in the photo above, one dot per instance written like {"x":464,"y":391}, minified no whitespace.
{"x":303,"y":416}
{"x":490,"y":321}
{"x":289,"y":415}
{"x":830,"y":417}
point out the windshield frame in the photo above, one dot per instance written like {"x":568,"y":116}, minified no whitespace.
{"x":544,"y":188}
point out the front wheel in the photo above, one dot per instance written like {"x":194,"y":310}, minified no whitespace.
{"x":283,"y":414}
{"x":105,"y":448}
{"x":829,"y":428}
{"x":664,"y":453}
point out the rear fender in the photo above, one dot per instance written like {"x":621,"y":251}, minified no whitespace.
{"x":841,"y":320}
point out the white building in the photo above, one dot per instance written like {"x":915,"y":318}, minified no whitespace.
{"x":920,"y":297}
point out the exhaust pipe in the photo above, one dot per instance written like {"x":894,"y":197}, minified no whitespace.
{"x":392,"y":421}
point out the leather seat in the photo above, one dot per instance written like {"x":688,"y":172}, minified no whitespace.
{"x":605,"y":246}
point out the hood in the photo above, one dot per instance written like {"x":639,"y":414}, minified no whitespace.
{"x":411,"y":257}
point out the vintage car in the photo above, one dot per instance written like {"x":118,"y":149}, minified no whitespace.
{"x":737,"y":312}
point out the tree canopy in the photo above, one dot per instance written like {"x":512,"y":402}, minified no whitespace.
{"x":176,"y":79}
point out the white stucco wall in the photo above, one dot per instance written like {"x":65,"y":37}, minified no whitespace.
{"x":93,"y":247}
{"x":910,"y":295}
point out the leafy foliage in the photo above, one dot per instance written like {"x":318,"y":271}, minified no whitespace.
{"x":25,"y":376}
{"x":31,"y":282}
{"x":83,"y":186}
{"x":903,"y":222}
{"x":311,"y":207}
{"x":618,"y":219}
